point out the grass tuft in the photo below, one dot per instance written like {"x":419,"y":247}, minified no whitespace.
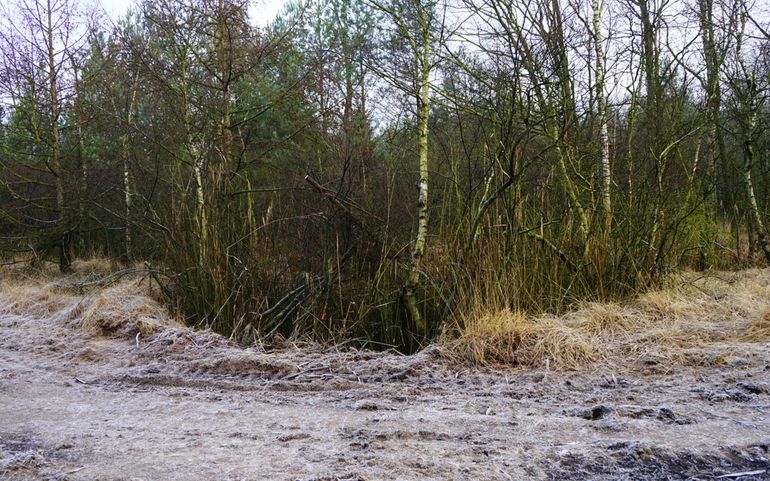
{"x":124,"y":308}
{"x":698,"y":320}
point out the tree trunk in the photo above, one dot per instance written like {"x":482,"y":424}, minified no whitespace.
{"x":601,"y":100}
{"x":127,"y":183}
{"x":64,"y":240}
{"x":755,"y":214}
{"x":716,"y":158}
{"x":423,"y":107}
{"x":82,"y":160}
{"x":200,"y":200}
{"x":749,"y":114}
{"x":651,"y":60}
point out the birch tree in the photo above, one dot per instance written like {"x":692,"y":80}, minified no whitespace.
{"x":415,"y":24}
{"x":170,"y":58}
{"x":749,"y":90}
{"x":714,"y":53}
{"x":123,"y":92}
{"x":534,"y":34}
{"x":601,"y":102}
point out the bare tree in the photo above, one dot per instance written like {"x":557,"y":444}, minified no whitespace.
{"x":39,"y":39}
{"x":601,"y":102}
{"x":749,"y":92}
{"x":416,"y":25}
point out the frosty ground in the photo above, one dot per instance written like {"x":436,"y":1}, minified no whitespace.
{"x":99,"y":384}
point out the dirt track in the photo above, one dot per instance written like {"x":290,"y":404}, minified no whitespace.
{"x":180,"y":405}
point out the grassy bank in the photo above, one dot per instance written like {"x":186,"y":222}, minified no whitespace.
{"x":697,"y":319}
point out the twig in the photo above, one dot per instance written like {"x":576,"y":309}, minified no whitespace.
{"x":336,"y":199}
{"x":503,"y":472}
{"x":110,"y":278}
{"x":306,"y":372}
{"x":745,"y":473}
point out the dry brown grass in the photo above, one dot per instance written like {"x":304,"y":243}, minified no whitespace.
{"x":100,"y":265}
{"x":701,"y":319}
{"x":123,"y":308}
{"x":698,"y":320}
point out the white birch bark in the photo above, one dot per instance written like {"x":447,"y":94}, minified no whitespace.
{"x":601,"y":100}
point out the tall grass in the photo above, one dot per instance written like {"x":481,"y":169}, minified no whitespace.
{"x":697,"y":320}
{"x":298,"y":264}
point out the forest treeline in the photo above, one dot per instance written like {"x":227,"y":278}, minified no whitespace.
{"x":379,"y":170}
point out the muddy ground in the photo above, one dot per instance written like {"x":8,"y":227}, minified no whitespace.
{"x":184,"y":405}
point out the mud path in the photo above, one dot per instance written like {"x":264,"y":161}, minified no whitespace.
{"x":181,"y":405}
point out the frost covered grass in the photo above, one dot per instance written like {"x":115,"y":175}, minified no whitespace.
{"x":121,"y":305}
{"x":698,"y":319}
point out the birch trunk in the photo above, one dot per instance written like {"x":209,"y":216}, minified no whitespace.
{"x":127,"y":183}
{"x":756,"y":216}
{"x":750,"y":108}
{"x":200,"y":200}
{"x":195,"y":156}
{"x":601,"y":100}
{"x":423,"y":112}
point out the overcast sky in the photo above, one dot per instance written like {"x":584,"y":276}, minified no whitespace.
{"x":261,"y":11}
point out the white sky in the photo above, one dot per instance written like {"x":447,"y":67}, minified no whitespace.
{"x":261,"y":11}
